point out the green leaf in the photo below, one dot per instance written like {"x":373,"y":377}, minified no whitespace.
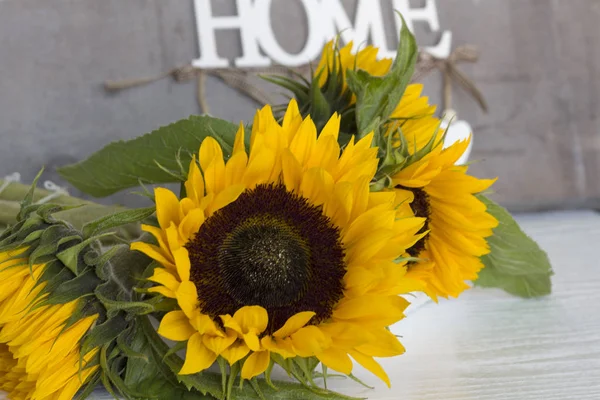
{"x":146,"y":374}
{"x":516,"y":262}
{"x":377,"y":97}
{"x":125,"y":164}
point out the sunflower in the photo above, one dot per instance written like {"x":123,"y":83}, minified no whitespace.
{"x":441,"y":192}
{"x":39,"y":347}
{"x":413,"y":115}
{"x":282,"y":251}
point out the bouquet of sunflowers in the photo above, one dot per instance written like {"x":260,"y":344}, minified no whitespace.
{"x":293,"y":242}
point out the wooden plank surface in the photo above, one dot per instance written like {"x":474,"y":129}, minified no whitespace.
{"x":488,"y":345}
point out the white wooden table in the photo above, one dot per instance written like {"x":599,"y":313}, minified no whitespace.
{"x":489,"y":345}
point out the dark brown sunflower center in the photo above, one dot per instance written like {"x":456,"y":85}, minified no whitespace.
{"x":270,"y":248}
{"x":260,"y":257}
{"x":420,"y":206}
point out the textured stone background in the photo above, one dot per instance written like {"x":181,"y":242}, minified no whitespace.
{"x":539,"y":70}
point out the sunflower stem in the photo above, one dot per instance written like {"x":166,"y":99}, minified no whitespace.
{"x":13,"y":194}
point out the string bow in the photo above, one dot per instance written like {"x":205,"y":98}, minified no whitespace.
{"x":426,"y":63}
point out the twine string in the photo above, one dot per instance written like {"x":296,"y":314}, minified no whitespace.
{"x":14,"y":177}
{"x":56,"y":191}
{"x":427,"y":63}
{"x":241,"y":79}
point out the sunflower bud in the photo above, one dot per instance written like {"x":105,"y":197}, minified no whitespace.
{"x":67,"y":306}
{"x":44,"y":318}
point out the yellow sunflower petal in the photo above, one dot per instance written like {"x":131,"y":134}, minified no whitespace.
{"x":165,"y":278}
{"x":283,"y":347}
{"x":227,"y":196}
{"x":346,"y":335}
{"x":158,"y":234}
{"x":155,"y":253}
{"x":218,"y":344}
{"x":252,"y":319}
{"x":294,"y":323}
{"x":309,"y":341}
{"x":175,"y":325}
{"x":163,"y":291}
{"x":211,"y":162}
{"x":255,"y":364}
{"x":167,"y":207}
{"x":182,"y":262}
{"x":239,"y":146}
{"x":194,"y":185}
{"x":292,"y":171}
{"x":371,"y":310}
{"x":304,"y":141}
{"x":235,"y":169}
{"x":197,"y":357}
{"x":235,"y":352}
{"x":187,"y":298}
{"x":317,"y":186}
{"x":191,"y":223}
{"x":384,"y":344}
{"x":371,"y":365}
{"x":259,"y":168}
{"x":336,"y":359}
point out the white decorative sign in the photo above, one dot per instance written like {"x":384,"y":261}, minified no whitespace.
{"x":457,"y":130}
{"x":326,"y":18}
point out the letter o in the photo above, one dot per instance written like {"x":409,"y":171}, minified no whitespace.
{"x":269,"y":44}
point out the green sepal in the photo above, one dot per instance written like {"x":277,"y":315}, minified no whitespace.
{"x":71,"y":256}
{"x":28,"y":199}
{"x":106,"y":294}
{"x":49,"y":243}
{"x":104,"y":333}
{"x":224,"y":372}
{"x":80,"y":286}
{"x":377,"y":97}
{"x":88,"y":388}
{"x":400,"y":157}
{"x":268,"y":372}
{"x":121,"y":281}
{"x":233,"y":375}
{"x":300,"y":91}
{"x":86,"y":307}
{"x":360,"y":382}
{"x":321,"y":102}
{"x":115,"y":220}
{"x":23,"y":233}
{"x":516,"y":263}
{"x":124,"y":164}
{"x":54,"y":275}
{"x":320,"y":109}
{"x":307,"y":366}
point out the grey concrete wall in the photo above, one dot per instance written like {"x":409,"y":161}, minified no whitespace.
{"x":539,"y":70}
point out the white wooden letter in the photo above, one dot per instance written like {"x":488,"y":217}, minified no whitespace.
{"x":245,"y":21}
{"x":269,"y":44}
{"x":428,"y":14}
{"x":368,"y":22}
